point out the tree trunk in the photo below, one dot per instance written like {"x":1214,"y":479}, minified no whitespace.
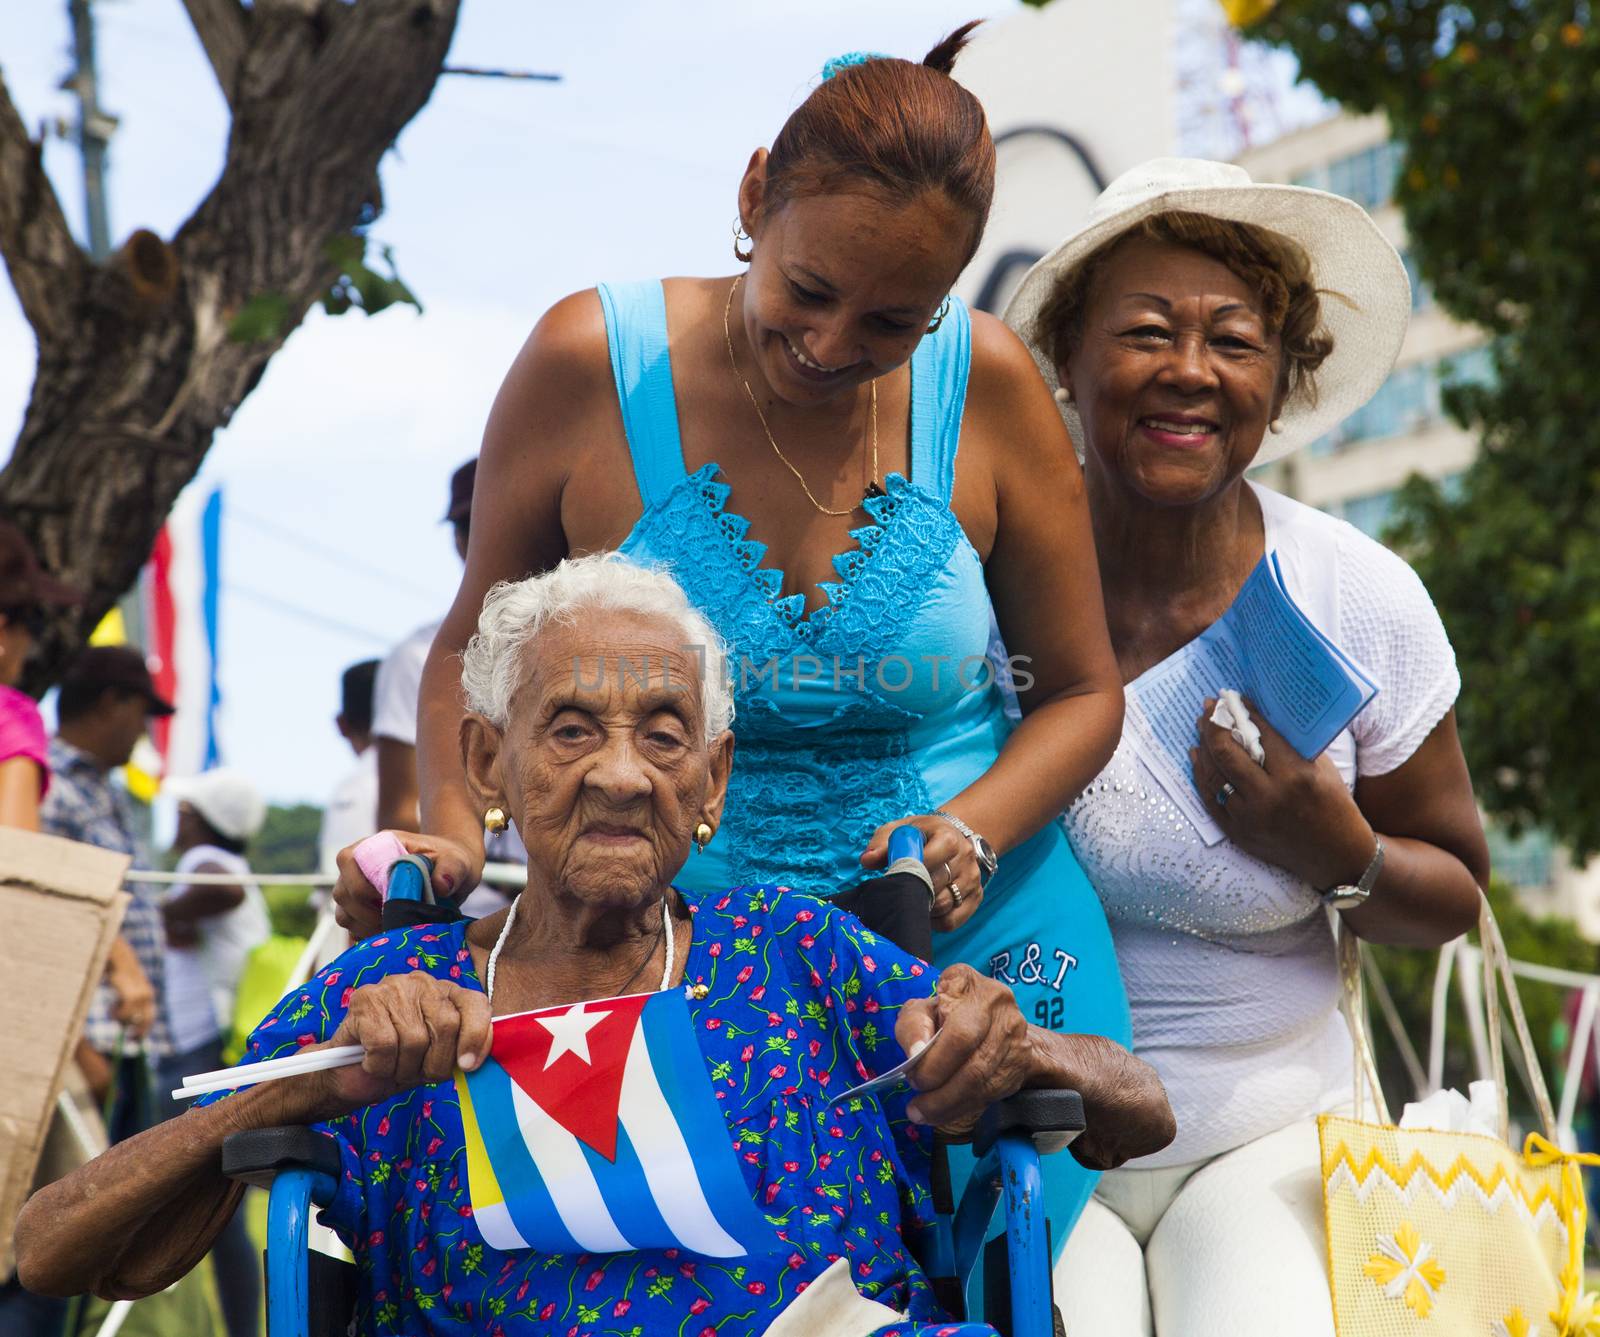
{"x":136,"y":369}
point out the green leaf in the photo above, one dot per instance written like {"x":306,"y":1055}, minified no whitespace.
{"x":264,"y":317}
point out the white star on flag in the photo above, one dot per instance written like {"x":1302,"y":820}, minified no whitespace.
{"x":569,"y":1033}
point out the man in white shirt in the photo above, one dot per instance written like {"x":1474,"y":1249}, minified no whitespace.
{"x":394,"y":718}
{"x":352,"y":809}
{"x":394,"y":704}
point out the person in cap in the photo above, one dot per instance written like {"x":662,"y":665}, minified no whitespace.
{"x":212,"y":927}
{"x":104,"y":702}
{"x":394,"y":705}
{"x":853,"y":477}
{"x":394,"y":716}
{"x":1196,"y":325}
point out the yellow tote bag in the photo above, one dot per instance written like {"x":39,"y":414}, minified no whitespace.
{"x":1434,"y":1234}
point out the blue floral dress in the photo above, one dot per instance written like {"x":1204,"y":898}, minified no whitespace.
{"x":800,"y":1000}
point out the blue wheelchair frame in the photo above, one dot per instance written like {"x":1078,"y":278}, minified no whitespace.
{"x":301,"y":1166}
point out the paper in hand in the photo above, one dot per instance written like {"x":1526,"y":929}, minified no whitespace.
{"x":1265,"y":647}
{"x":883,"y":1081}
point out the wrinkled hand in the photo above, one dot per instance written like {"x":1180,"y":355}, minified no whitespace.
{"x":1293,"y":813}
{"x":984,"y":1052}
{"x":416,"y":1030}
{"x":357,"y":906}
{"x":987,"y":1052}
{"x":135,"y":996}
{"x":949,"y":859}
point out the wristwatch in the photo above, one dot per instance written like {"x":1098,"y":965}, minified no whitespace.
{"x":988,"y":860}
{"x":1349,"y":897}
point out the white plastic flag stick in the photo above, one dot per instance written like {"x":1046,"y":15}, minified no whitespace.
{"x":249,"y":1074}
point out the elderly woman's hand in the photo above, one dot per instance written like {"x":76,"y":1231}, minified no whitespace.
{"x":416,"y":1030}
{"x":1293,"y":813}
{"x":357,"y":906}
{"x":986,"y":1051}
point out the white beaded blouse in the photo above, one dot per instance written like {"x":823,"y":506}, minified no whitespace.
{"x":1228,"y":961}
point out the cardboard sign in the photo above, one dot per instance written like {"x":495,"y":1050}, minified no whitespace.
{"x":61,"y":904}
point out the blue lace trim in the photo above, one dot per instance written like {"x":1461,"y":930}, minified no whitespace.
{"x":794,"y":815}
{"x":803,"y":800}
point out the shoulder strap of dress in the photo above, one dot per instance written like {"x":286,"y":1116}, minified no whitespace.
{"x":939,"y":371}
{"x":636,"y":332}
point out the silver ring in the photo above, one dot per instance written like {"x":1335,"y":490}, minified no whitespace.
{"x":1225,"y":793}
{"x":955,"y":895}
{"x":949,"y":878}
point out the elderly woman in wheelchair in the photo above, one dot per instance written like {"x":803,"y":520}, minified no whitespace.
{"x":648,"y":1138}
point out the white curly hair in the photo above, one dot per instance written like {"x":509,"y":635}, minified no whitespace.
{"x":516,"y":611}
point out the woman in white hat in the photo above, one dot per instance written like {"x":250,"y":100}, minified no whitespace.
{"x":1199,"y":324}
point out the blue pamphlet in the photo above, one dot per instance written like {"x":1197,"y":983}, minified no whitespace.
{"x":1266,"y":648}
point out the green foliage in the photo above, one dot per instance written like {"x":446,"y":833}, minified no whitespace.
{"x":289,"y":909}
{"x":360,"y":286}
{"x":267,"y":315}
{"x":287,"y":841}
{"x":1497,"y":103}
{"x":264,"y":317}
{"x":1409,"y":975}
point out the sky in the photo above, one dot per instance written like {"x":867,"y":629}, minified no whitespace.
{"x":500,"y":197}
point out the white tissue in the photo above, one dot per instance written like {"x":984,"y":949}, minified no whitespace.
{"x":1233,"y":715}
{"x":1451,"y":1112}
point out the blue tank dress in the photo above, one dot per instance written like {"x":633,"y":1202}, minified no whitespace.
{"x":879,"y":703}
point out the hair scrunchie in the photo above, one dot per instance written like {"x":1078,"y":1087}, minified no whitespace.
{"x":850,"y":58}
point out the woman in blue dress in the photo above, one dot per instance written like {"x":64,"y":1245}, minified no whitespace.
{"x":853,"y":478}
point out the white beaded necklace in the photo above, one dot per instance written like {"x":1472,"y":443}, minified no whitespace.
{"x":511,"y":918}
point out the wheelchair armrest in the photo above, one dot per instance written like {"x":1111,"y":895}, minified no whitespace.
{"x":257,"y":1154}
{"x":1051,"y":1118}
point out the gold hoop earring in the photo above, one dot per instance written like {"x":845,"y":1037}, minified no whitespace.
{"x":939,"y":315}
{"x":494,"y":821}
{"x":740,"y":235}
{"x":702,"y":836}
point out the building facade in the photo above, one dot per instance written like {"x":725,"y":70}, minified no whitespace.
{"x":1355,"y":470}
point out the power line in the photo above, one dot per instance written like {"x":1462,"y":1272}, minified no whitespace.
{"x":306,"y":615}
{"x":355,"y":564}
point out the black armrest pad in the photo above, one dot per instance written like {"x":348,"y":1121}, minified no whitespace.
{"x":894,"y":907}
{"x":257,"y":1154}
{"x":1051,"y":1118}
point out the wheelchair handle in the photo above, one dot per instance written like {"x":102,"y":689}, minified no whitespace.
{"x":408,"y":898}
{"x":905,"y":842}
{"x":905,"y":856}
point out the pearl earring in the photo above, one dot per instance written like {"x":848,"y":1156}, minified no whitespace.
{"x":1063,"y":395}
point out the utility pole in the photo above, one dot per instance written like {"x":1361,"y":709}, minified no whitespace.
{"x":93,"y":130}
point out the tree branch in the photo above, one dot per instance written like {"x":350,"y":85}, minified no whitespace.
{"x":47,"y":266}
{"x":221,"y":26}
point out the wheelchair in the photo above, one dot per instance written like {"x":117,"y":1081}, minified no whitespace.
{"x":313,"y":1295}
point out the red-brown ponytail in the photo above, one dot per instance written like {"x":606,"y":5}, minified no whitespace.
{"x":903,"y":127}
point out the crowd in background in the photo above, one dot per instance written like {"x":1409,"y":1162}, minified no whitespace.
{"x":167,"y":1005}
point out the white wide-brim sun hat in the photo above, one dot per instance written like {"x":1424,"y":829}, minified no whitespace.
{"x":1366,"y":296}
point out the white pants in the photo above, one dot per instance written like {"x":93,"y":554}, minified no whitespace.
{"x":1230,"y":1247}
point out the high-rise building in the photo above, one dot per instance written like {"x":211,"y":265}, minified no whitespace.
{"x":1355,"y":470}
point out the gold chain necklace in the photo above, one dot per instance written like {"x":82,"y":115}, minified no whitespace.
{"x":872,"y":489}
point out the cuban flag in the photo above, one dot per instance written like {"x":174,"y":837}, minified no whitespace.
{"x":594,"y":1129}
